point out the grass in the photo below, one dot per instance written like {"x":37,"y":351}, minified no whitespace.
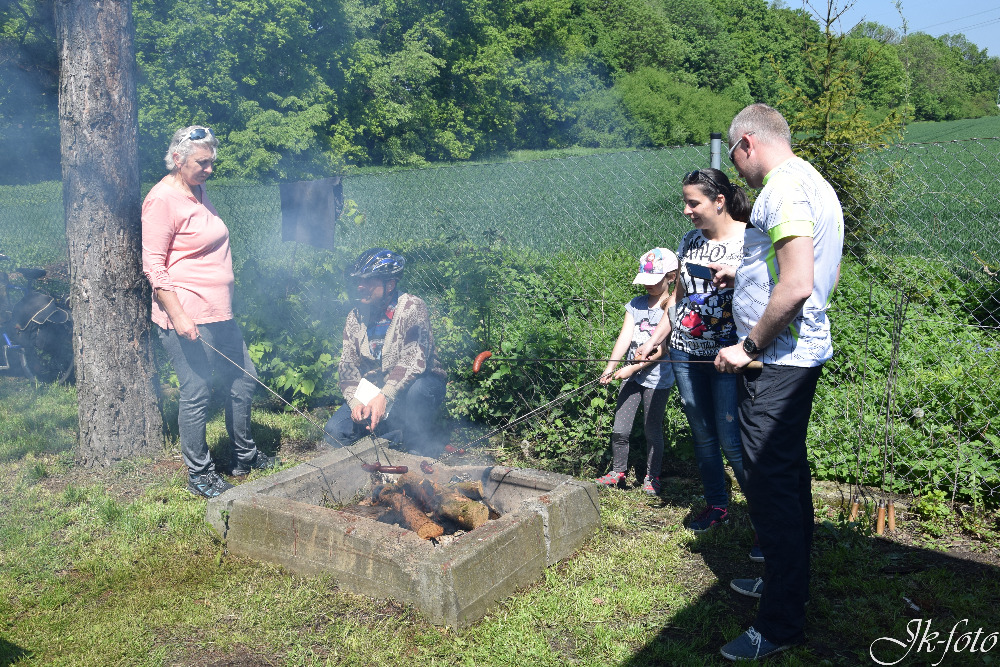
{"x":118,"y":567}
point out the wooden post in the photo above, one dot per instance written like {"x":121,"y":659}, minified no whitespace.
{"x":880,"y":522}
{"x":855,"y":506}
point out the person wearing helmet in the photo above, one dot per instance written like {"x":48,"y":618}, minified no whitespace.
{"x":389,"y":373}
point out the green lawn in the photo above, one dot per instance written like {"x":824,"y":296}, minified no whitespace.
{"x":118,"y":567}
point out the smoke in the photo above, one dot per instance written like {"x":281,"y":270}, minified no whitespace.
{"x":29,"y":115}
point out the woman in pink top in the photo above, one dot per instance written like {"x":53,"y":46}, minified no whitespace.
{"x":185,"y":256}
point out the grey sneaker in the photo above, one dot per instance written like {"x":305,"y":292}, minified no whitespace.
{"x":260,"y":461}
{"x":749,"y":587}
{"x":207,"y":485}
{"x":751,"y":645}
{"x":756,"y":555}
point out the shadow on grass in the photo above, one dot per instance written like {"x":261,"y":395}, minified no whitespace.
{"x":867,"y":595}
{"x":11,"y":653}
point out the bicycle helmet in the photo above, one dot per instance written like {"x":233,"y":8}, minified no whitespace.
{"x":378,"y":263}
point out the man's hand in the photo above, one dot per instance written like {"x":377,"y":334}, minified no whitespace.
{"x":376,"y":410}
{"x":725,"y":276}
{"x":359,"y":413}
{"x":731,"y":359}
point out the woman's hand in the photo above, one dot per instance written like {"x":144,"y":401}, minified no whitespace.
{"x":183,"y":324}
{"x":185,"y":327}
{"x":608,"y":375}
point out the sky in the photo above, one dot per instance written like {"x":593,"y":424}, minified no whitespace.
{"x":978,"y":20}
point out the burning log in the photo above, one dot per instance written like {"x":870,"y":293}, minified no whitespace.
{"x":414,"y":519}
{"x":472,"y":490}
{"x":446,"y":502}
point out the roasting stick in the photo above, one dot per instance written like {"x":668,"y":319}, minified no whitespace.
{"x":369,"y":467}
{"x":477,"y":364}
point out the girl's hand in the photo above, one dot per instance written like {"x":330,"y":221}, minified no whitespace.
{"x":607,"y":376}
{"x":625,"y":372}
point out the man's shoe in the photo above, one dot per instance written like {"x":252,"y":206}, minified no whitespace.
{"x":207,"y":485}
{"x":651,"y":485}
{"x":751,"y":645}
{"x":708,"y":519}
{"x":756,"y":555}
{"x":612,"y":479}
{"x":749,"y":587}
{"x":260,"y":461}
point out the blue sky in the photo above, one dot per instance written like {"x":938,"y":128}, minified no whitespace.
{"x":978,"y":20}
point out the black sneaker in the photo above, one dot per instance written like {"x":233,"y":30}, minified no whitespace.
{"x":756,"y":555}
{"x":208,"y":485}
{"x":260,"y":461}
{"x":709,"y":518}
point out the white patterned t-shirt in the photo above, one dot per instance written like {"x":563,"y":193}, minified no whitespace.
{"x":795,"y":201}
{"x":704,"y":321}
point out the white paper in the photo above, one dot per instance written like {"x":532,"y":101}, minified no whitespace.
{"x":366,"y":391}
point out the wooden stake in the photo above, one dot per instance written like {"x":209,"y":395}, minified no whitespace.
{"x":880,"y":522}
{"x":892,"y":516}
{"x":855,"y":506}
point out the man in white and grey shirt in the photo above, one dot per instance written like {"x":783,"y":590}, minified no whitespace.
{"x":791,"y":264}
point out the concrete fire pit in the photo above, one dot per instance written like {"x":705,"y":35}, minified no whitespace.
{"x":286,"y":519}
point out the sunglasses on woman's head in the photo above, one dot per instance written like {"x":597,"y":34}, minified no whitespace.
{"x":692,"y":177}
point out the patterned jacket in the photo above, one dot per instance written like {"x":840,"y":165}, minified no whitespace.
{"x":407,"y":353}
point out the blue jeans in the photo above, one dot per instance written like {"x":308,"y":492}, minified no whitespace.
{"x":197,"y":366}
{"x":709,"y":399}
{"x":410,"y":423}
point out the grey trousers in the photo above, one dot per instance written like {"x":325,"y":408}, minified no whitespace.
{"x":197,"y":367}
{"x":654,"y":405}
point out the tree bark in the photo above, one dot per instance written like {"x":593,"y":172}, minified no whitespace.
{"x":98,"y":121}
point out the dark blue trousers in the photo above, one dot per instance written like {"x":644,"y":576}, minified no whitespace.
{"x":411,"y":423}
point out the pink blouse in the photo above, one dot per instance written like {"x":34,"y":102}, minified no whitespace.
{"x":185,"y":249}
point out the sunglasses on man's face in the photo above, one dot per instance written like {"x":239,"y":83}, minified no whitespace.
{"x":199,"y":133}
{"x":732,"y":149}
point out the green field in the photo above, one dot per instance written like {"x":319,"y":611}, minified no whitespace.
{"x":954,"y":130}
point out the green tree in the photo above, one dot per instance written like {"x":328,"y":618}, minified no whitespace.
{"x":767,"y":36}
{"x":830,"y":125}
{"x":939,"y":80}
{"x":260,"y":72}
{"x":671,"y":112}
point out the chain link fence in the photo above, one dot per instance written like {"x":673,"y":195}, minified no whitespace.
{"x":534,"y":261}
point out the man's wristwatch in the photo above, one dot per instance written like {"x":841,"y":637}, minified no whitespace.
{"x":750,"y":347}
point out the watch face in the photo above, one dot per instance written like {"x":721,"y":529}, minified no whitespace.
{"x":749,"y":346}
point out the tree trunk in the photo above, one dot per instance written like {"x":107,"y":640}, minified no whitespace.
{"x":98,"y":120}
